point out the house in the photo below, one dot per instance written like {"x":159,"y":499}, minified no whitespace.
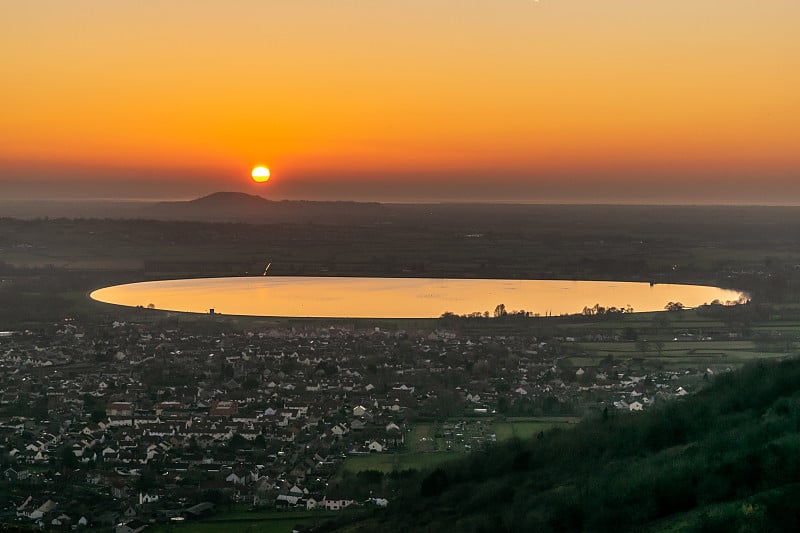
{"x":199,"y":510}
{"x":336,"y":505}
{"x":287,"y":500}
{"x":26,"y":507}
{"x":134,"y":526}
{"x":376,"y":447}
{"x":226,"y":408}
{"x":169,"y":406}
{"x":42,"y":510}
{"x":119,"y":409}
{"x":147,"y":498}
{"x":16,"y":475}
{"x":119,"y":490}
{"x":108,"y":451}
{"x":474,"y":398}
{"x":359,"y":410}
{"x":61,"y":520}
{"x":237,"y":478}
{"x":294,"y":489}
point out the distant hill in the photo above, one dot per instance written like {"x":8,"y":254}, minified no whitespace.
{"x":241,"y":207}
{"x":236,"y":200}
{"x":726,"y":459}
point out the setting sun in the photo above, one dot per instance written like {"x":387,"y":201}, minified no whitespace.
{"x":260,"y":174}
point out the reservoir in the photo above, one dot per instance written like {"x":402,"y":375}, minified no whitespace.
{"x":339,"y":297}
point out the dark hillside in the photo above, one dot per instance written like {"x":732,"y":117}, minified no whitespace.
{"x":727,"y":459}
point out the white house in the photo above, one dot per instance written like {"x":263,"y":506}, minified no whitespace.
{"x":147,"y":498}
{"x":236,"y":479}
{"x":380,"y":502}
{"x":335,"y":505}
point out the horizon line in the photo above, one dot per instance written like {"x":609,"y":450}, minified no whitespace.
{"x":187,"y":198}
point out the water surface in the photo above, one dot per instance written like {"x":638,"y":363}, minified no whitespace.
{"x":332,"y":297}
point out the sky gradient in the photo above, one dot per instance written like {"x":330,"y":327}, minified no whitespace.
{"x":689,"y":101}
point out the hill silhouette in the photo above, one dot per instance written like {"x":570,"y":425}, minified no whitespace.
{"x":242,"y":207}
{"x":229,"y":199}
{"x":727,"y":459}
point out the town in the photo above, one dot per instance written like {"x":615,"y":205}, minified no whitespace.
{"x":130,"y":423}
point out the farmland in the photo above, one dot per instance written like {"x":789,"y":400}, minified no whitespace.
{"x":431,"y":444}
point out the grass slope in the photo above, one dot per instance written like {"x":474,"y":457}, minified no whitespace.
{"x":727,"y":459}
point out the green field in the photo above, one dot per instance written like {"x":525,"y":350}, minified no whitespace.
{"x":678,"y":353}
{"x":425,"y":445}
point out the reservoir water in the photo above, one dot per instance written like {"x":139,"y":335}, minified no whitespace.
{"x":337,"y":297}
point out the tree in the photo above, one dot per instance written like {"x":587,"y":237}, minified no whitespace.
{"x":147,"y":480}
{"x":68,"y":458}
{"x":500,"y":311}
{"x":434,"y":484}
{"x":503,"y":405}
{"x":237,"y":442}
{"x":193,"y":446}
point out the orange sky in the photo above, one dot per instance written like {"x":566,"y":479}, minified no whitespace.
{"x":557,"y":100}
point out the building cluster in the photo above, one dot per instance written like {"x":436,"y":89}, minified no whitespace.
{"x":128,"y":423}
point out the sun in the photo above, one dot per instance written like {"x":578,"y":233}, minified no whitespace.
{"x":260,"y":174}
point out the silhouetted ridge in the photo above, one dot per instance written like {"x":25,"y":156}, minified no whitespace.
{"x":243,"y":207}
{"x":228,"y":199}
